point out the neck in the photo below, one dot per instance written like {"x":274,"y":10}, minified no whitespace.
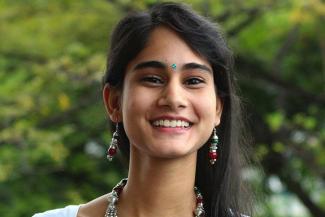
{"x":159,"y":187}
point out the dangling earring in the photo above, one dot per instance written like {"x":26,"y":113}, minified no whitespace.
{"x":213,"y":154}
{"x":112,"y":149}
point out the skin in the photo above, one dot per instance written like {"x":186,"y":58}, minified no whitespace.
{"x":153,"y":90}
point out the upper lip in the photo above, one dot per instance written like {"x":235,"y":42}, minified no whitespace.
{"x":171,"y":117}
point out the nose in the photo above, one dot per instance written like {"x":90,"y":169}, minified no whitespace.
{"x":173,"y":96}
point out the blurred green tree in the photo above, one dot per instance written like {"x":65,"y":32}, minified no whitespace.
{"x":53,"y":128}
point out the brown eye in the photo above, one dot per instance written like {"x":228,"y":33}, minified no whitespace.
{"x":194,"y":81}
{"x":155,"y":80}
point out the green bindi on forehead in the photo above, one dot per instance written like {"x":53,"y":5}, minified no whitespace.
{"x":173,"y":66}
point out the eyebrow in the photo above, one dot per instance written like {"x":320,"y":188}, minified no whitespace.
{"x":188,"y":66}
{"x":150,"y":64}
{"x":161,"y":65}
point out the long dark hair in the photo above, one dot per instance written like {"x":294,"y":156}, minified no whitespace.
{"x":220,"y":184}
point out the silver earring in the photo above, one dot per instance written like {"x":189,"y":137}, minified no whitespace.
{"x":112,"y":149}
{"x":213,"y":154}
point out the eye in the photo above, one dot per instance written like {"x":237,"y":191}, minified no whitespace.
{"x":152,"y":80}
{"x":193,"y":81}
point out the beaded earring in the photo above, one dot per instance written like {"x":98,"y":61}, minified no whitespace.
{"x":213,"y":154}
{"x":112,"y":149}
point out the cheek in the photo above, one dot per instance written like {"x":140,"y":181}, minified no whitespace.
{"x":206,"y":104}
{"x":136,"y":102}
{"x":134,"y":94}
{"x":131,"y":111}
{"x":205,"y":107}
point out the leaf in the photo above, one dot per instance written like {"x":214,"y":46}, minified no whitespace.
{"x":275,"y":120}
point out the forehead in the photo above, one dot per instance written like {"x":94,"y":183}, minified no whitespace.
{"x":167,"y":46}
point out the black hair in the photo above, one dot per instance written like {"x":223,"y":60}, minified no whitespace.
{"x":221,"y":183}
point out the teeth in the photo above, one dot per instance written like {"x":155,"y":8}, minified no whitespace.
{"x":171,"y":123}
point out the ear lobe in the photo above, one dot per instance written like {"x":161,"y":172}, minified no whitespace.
{"x":219,"y":109}
{"x":111,"y":97}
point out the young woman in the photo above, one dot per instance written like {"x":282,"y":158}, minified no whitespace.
{"x":169,"y":90}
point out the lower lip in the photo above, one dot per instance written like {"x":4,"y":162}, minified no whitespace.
{"x":176,"y":130}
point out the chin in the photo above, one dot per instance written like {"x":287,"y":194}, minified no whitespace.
{"x":173,"y":154}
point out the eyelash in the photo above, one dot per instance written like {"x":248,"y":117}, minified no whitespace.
{"x":152,"y":79}
{"x":155,"y":80}
{"x":196,"y":80}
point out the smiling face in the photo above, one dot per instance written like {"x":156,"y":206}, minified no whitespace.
{"x":168,"y":104}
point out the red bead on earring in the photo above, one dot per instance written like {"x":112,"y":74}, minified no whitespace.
{"x":112,"y":149}
{"x":213,"y":154}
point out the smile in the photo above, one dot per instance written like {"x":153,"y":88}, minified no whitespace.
{"x":171,"y":123}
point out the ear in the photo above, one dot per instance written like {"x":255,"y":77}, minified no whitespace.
{"x":219,"y":109}
{"x":112,"y":101}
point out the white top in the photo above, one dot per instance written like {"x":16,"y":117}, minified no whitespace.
{"x":72,"y":210}
{"x":68,"y":211}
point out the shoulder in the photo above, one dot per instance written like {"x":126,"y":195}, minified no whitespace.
{"x":96,"y":207}
{"x":68,"y":211}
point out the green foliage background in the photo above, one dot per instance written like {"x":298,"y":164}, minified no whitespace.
{"x":53,"y":130}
